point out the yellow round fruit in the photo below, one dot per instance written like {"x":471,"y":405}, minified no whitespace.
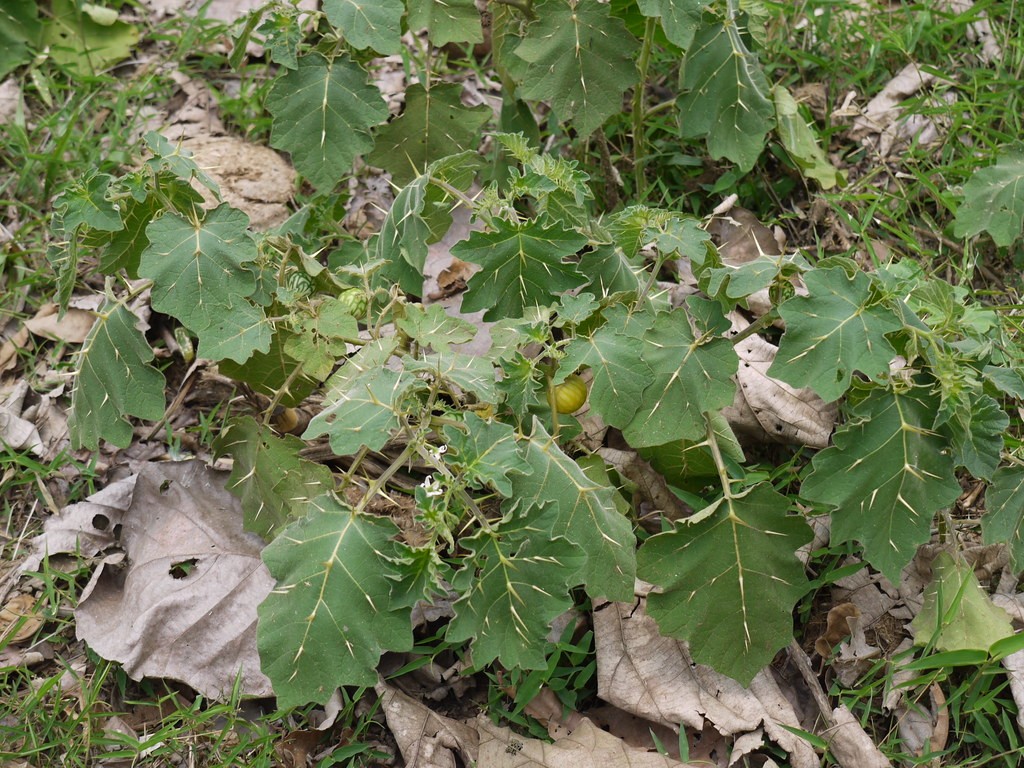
{"x":571,"y":394}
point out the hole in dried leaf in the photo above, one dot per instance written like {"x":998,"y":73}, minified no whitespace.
{"x":100,"y":522}
{"x":182,"y":569}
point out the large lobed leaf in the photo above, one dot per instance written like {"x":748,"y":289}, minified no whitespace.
{"x":584,"y":513}
{"x":114,"y":381}
{"x":268,"y":476}
{"x":322,"y":112}
{"x":523,"y":266}
{"x":433,"y":125}
{"x":331,"y":615}
{"x":724,"y":94}
{"x":446,"y":21}
{"x":994,"y":200}
{"x":1004,"y":516}
{"x":199,"y":276}
{"x":376,"y":24}
{"x":679,"y":18}
{"x":729,"y":582}
{"x":580,"y":58}
{"x":690,"y":376}
{"x":833,"y":332}
{"x":514,"y":584}
{"x":886,"y":475}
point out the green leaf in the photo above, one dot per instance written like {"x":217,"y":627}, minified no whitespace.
{"x":886,"y":475}
{"x":20,"y":31}
{"x":321,"y":337}
{"x":468,"y":373}
{"x":994,"y":200}
{"x":800,"y":142}
{"x":322,"y":113}
{"x":836,"y":330}
{"x":198,"y":277}
{"x":282,"y":33}
{"x":585,"y":514}
{"x":724,"y":95}
{"x":957,"y":614}
{"x":363,"y":402}
{"x":113,"y":381}
{"x":977,"y":434}
{"x":86,"y":203}
{"x":580,"y":59}
{"x":629,"y":227}
{"x":747,"y":278}
{"x":82,"y":45}
{"x":613,"y":353}
{"x":421,"y":214}
{"x":433,"y":125}
{"x":679,"y":18}
{"x":446,"y":21}
{"x":331,"y":616}
{"x":268,"y":476}
{"x":268,"y":372}
{"x":175,"y":159}
{"x":690,"y":376}
{"x":1004,"y":512}
{"x":523,"y":266}
{"x":432,"y":327}
{"x":610,"y":271}
{"x":729,"y":582}
{"x":376,"y":24}
{"x":514,"y":584}
{"x":123,"y":249}
{"x":1006,"y":380}
{"x":558,"y":188}
{"x":486,"y":453}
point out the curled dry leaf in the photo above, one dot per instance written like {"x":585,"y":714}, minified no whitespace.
{"x":837,"y":628}
{"x":882,"y":123}
{"x":87,"y":528}
{"x":586,"y":747}
{"x":768,"y":410}
{"x":652,"y":676}
{"x":19,"y":620}
{"x":184,"y":605}
{"x":425,"y":738}
{"x":850,"y":745}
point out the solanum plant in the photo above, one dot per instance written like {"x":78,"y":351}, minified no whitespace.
{"x":516,"y":513}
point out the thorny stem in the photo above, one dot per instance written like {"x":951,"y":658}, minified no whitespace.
{"x":268,"y":414}
{"x":523,"y":6}
{"x":639,"y":143}
{"x":716,"y":454}
{"x":386,"y":475}
{"x":658,"y":264}
{"x":757,"y":326}
{"x":449,"y":476}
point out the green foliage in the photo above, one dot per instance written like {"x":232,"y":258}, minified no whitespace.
{"x":114,"y":381}
{"x":268,"y":476}
{"x":323,"y":111}
{"x":993,"y":201}
{"x":579,"y":57}
{"x":514,"y":511}
{"x":886,"y":475}
{"x":741,"y":555}
{"x":332,"y":615}
{"x":433,"y":125}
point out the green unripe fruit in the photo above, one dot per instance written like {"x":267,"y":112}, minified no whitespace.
{"x":353,"y":300}
{"x":571,"y":394}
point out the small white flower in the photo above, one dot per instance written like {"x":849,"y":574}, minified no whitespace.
{"x":432,"y":487}
{"x":437,"y":451}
